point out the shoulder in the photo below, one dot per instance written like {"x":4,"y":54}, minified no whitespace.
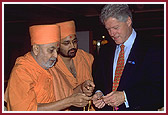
{"x":21,"y":72}
{"x":84,"y":54}
{"x":25,"y":66}
{"x":149,"y":40}
{"x":150,"y":46}
{"x":26,"y":61}
{"x":107,"y":49}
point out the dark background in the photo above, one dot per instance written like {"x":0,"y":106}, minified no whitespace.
{"x":148,"y":18}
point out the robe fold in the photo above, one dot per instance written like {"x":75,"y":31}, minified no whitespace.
{"x":29,"y":84}
{"x":64,"y":81}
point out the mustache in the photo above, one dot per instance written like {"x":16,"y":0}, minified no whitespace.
{"x":72,"y":49}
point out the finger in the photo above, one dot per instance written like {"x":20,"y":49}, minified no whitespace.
{"x":90,"y":88}
{"x":88,"y":93}
{"x":82,"y":94}
{"x":92,"y":84}
{"x":87,"y":82}
{"x":115,"y":104}
{"x":111,"y":104}
{"x":99,"y":95}
{"x":82,"y":104}
{"x":87,"y":87}
{"x":107,"y":100}
{"x":95,"y":97}
{"x":97,"y":101}
{"x":100,"y":104}
{"x":109,"y":95}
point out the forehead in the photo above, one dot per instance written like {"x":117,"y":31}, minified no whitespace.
{"x":111,"y":22}
{"x":69,"y":38}
{"x":51,"y":45}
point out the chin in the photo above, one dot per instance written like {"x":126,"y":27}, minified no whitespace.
{"x":72,"y":56}
{"x":118,"y":43}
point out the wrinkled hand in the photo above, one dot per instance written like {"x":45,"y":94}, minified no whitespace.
{"x":114,"y":99}
{"x":97,"y":100}
{"x":80,"y":99}
{"x":88,"y":87}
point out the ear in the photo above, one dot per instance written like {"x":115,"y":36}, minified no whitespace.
{"x":129,"y":21}
{"x":36,"y":49}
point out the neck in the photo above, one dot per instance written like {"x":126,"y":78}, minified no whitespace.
{"x":131,"y":29}
{"x":69,"y":64}
{"x":66,"y":60}
{"x":129,"y":34}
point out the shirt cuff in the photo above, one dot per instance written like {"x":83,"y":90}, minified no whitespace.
{"x":126,"y":101}
{"x":99,"y":91}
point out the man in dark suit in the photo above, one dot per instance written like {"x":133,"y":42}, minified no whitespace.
{"x":141,"y":83}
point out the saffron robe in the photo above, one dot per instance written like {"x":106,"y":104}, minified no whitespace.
{"x":29,"y":84}
{"x":64,"y":81}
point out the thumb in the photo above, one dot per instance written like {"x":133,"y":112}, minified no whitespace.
{"x":108,"y":95}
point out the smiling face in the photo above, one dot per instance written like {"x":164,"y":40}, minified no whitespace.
{"x":69,"y":46}
{"x":46,"y":54}
{"x":119,"y":31}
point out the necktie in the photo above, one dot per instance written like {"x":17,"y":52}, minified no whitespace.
{"x":119,"y":68}
{"x":118,"y":71}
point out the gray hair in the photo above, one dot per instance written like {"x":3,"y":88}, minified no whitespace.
{"x":119,"y":11}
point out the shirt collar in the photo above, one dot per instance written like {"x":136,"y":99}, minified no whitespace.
{"x":131,"y":39}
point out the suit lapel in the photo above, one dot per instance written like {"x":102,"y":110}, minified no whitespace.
{"x":134,"y":62}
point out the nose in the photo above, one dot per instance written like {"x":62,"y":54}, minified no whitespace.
{"x":72,"y":45}
{"x":111,"y":32}
{"x":55,"y":54}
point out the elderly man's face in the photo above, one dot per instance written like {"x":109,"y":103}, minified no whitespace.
{"x":47,"y":55}
{"x":69,"y":46}
{"x":119,"y":31}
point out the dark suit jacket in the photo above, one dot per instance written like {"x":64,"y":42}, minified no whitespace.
{"x":142,"y":81}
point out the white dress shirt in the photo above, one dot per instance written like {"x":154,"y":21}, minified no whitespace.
{"x":128,"y":45}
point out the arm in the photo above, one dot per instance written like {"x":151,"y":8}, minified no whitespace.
{"x":77,"y":100}
{"x":21,"y":96}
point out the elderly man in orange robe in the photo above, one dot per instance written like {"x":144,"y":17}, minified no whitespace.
{"x":31,"y":86}
{"x":73,"y":71}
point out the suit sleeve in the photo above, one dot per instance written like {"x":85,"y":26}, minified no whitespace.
{"x":102,"y":69}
